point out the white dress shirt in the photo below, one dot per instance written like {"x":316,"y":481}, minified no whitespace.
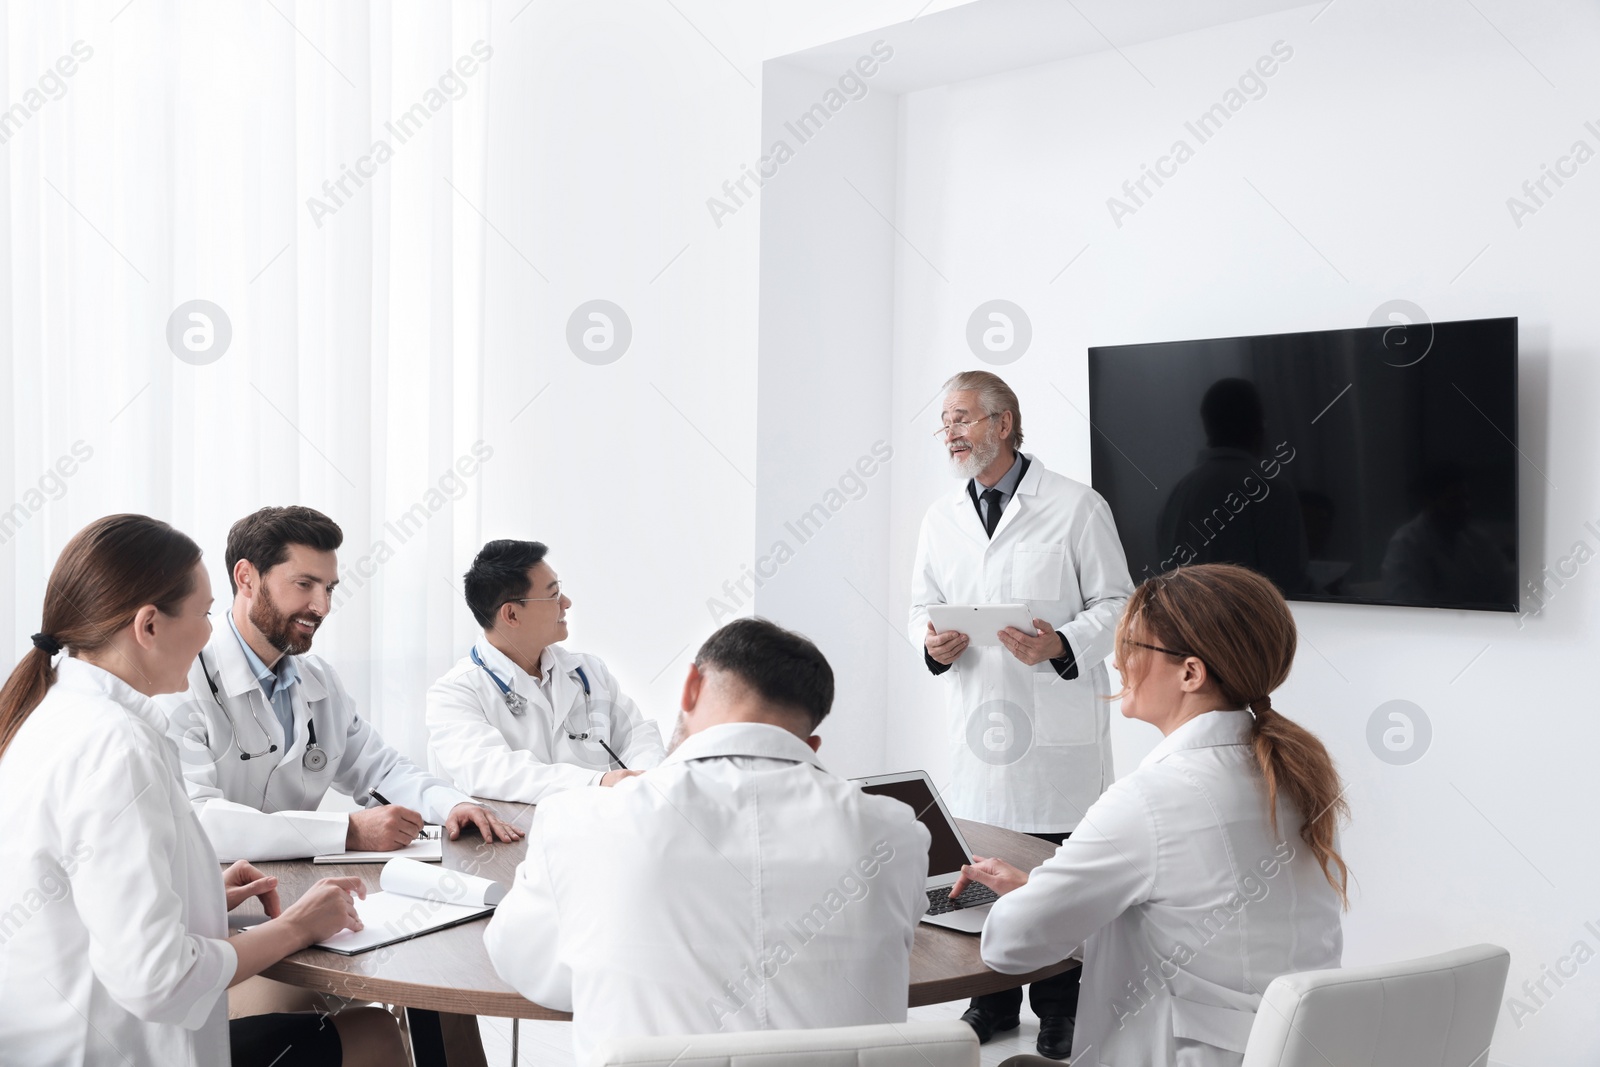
{"x":113,"y":941}
{"x":265,"y":807}
{"x":1006,"y":487}
{"x":479,"y":743}
{"x":1185,"y":902}
{"x":738,"y":886}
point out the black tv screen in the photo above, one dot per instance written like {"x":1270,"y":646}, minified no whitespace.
{"x":1368,"y":466}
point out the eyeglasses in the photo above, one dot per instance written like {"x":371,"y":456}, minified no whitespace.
{"x":963,"y":427}
{"x":535,"y":599}
{"x":1158,"y":648}
{"x":1210,"y":670}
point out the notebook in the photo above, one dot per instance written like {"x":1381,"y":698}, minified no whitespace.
{"x":427,"y":848}
{"x":416,"y":899}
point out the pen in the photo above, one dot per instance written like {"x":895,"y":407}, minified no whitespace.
{"x":381,"y":799}
{"x":616,"y":758}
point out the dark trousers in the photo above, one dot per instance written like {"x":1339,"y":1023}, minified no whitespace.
{"x":1050,"y":996}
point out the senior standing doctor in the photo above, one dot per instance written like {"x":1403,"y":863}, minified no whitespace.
{"x":519,"y":717}
{"x":1029,"y":722}
{"x":265,"y":730}
{"x":1210,"y":870}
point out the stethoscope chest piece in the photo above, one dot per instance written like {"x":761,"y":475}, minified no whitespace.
{"x":516,"y":703}
{"x":314,"y":758}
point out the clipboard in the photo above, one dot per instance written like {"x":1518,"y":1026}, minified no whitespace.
{"x":390,"y":918}
{"x":416,"y":899}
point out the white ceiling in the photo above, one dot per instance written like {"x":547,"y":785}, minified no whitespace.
{"x":990,"y":36}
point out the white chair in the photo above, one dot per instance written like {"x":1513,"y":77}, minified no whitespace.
{"x":938,"y":1044}
{"x":1439,"y":1010}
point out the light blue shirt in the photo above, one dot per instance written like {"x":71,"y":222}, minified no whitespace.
{"x":277,"y":684}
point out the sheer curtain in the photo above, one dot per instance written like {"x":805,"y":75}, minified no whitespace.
{"x":314,"y":171}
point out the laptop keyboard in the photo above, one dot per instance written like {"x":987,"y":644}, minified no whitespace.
{"x":975,"y":895}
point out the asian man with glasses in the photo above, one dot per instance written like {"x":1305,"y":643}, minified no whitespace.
{"x":519,"y":716}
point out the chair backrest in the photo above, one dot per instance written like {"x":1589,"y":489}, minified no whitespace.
{"x":922,"y":1044}
{"x":1439,"y":1010}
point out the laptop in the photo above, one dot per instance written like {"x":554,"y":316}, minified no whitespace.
{"x":947,"y":852}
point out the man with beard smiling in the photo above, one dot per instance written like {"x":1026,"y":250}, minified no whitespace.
{"x":265,"y":729}
{"x":1030,"y":714}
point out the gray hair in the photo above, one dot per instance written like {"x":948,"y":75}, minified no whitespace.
{"x":993,"y":394}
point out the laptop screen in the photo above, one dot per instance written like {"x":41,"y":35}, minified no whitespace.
{"x":945,"y":854}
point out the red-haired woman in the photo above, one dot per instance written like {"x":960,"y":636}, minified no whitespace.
{"x":1210,"y":870}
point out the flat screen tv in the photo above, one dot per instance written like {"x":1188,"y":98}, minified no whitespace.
{"x":1368,"y":466}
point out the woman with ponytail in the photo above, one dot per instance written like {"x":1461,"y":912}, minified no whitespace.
{"x":1210,"y":870}
{"x":114,"y":944}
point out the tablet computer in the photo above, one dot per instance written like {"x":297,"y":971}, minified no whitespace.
{"x":981,"y":623}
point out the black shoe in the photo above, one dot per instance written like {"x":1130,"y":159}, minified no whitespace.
{"x":1055,"y":1036}
{"x":986,"y":1023}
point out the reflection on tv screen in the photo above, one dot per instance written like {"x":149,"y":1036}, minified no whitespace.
{"x":1374,"y":466}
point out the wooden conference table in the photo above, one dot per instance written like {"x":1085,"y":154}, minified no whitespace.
{"x":449,"y":972}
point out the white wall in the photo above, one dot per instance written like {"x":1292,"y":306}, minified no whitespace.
{"x":825,"y":457}
{"x":1390,"y":140}
{"x":610,"y":126}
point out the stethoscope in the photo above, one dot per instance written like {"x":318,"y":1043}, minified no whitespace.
{"x":314,"y":759}
{"x":517,"y":704}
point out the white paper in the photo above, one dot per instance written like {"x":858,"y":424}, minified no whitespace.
{"x":413,"y":879}
{"x":429,"y":849}
{"x":416,"y":899}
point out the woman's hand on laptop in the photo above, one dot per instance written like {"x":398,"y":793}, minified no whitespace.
{"x":996,"y":874}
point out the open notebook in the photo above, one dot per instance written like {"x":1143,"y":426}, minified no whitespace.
{"x":416,"y":899}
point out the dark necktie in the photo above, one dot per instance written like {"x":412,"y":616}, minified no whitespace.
{"x":991,"y":497}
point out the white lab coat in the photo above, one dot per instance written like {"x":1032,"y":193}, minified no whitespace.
{"x":113,"y":947}
{"x":476,"y":742}
{"x":265,"y":808}
{"x":1185,"y":902}
{"x":1031,"y":750}
{"x":738,"y":886}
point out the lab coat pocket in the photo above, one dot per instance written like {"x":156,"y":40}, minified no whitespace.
{"x":1036,"y":569}
{"x":1064,"y":713}
{"x":1209,"y":1024}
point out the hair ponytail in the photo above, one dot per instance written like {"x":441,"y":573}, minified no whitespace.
{"x":1294,"y":761}
{"x":1236,"y":622}
{"x":108,"y":571}
{"x":30,"y":680}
